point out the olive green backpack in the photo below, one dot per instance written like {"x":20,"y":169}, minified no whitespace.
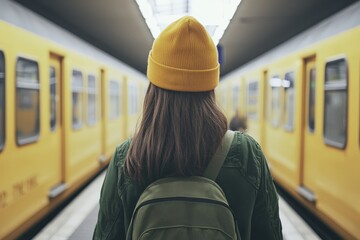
{"x":189,"y":208}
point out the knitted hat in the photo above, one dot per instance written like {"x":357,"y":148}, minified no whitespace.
{"x":184,"y":58}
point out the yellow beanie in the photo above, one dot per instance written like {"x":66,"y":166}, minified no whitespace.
{"x":184,"y":58}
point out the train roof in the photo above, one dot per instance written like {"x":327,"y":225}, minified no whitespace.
{"x":339,"y":22}
{"x":22,"y":17}
{"x":119,"y":28}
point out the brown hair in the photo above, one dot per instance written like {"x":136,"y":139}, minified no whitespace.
{"x":178,"y":134}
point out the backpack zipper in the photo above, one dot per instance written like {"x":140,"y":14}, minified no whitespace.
{"x":188,"y":199}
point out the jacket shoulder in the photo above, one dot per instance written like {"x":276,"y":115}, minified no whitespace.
{"x":245,"y":154}
{"x":120,"y":153}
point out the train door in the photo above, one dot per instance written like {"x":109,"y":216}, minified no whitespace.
{"x":56,"y":125}
{"x":309,"y":142}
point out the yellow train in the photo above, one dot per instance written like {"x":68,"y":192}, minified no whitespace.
{"x":64,"y":106}
{"x":301,"y":101}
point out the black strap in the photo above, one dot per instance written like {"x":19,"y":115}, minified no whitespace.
{"x":216,"y":162}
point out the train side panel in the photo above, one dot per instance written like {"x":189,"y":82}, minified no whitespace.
{"x":282,"y":128}
{"x":253,"y":88}
{"x":309,"y":127}
{"x":64,"y":115}
{"x":83,"y":130}
{"x":226,"y":98}
{"x":28,"y":175}
{"x":134,"y":90}
{"x":337,"y":180}
{"x":115,"y":112}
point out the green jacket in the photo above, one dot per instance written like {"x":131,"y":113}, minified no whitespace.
{"x":244,"y":177}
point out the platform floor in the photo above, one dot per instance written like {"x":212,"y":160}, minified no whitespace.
{"x":78,"y":219}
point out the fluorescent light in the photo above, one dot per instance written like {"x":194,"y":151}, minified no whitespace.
{"x":215,"y":15}
{"x":275,"y":82}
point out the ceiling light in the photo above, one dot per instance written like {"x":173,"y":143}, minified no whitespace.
{"x":215,"y":15}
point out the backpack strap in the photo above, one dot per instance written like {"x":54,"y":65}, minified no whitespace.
{"x":216,"y":162}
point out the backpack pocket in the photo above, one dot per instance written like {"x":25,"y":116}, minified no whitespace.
{"x":183,"y":208}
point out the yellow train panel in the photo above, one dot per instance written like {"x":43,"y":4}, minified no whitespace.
{"x":80,"y":120}
{"x":317,"y":168}
{"x":114,"y":112}
{"x":253,"y":87}
{"x":35,"y":165}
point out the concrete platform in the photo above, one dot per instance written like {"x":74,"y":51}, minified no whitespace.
{"x":78,"y":219}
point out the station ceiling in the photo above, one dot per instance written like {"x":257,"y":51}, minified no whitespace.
{"x":118,"y":27}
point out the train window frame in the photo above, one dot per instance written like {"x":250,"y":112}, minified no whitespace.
{"x":77,"y":125}
{"x":3,"y":100}
{"x":114,"y":95}
{"x":312,"y":100}
{"x":336,"y":86}
{"x":289,"y":86}
{"x":91,"y":91}
{"x":53,"y":98}
{"x":27,"y":86}
{"x":275,"y":83}
{"x":253,"y":115}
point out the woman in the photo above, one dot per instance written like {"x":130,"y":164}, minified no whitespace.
{"x":180,"y":130}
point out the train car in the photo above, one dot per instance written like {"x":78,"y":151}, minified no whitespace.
{"x":64,"y":106}
{"x":303,"y":107}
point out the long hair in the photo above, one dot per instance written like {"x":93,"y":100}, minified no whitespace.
{"x":178,"y":134}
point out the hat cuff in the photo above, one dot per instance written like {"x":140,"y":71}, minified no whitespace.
{"x":183,"y":80}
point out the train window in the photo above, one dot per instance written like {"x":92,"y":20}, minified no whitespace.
{"x":91,"y":100}
{"x":27,"y":101}
{"x":335,"y":109}
{"x":53,"y":97}
{"x":289,"y":104}
{"x":133,"y":99}
{"x":77,"y":101}
{"x":114,"y":90}
{"x":312,"y":83}
{"x":2,"y":100}
{"x":275,"y":109}
{"x":252,"y":100}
